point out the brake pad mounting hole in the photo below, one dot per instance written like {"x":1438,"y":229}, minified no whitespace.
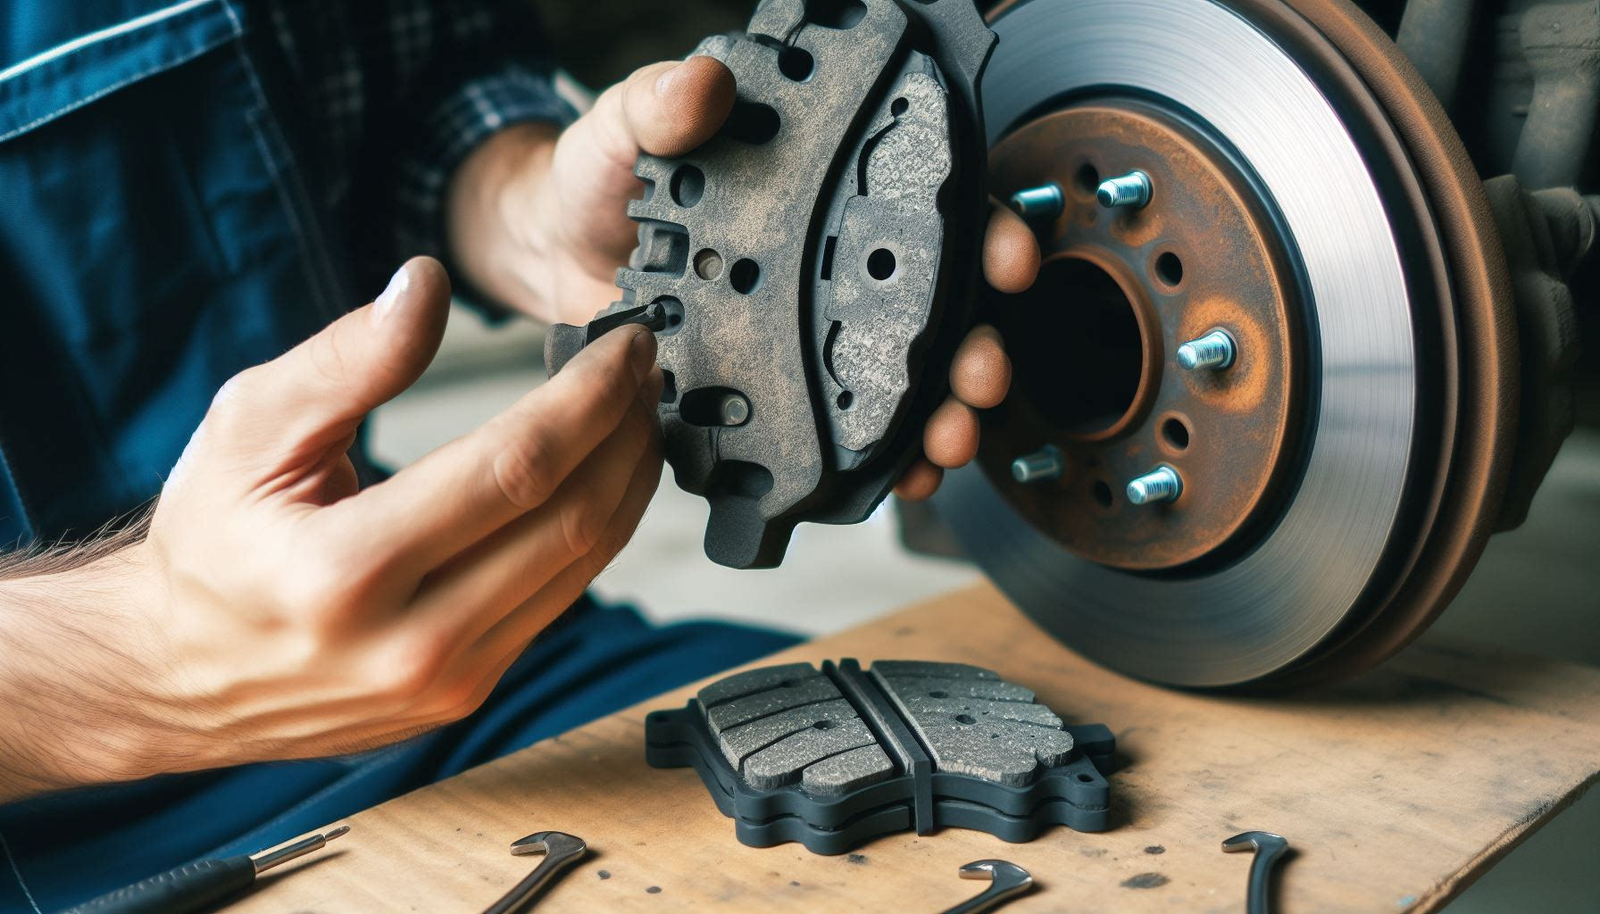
{"x":745,"y":276}
{"x":881,"y":265}
{"x":796,"y":63}
{"x":688,"y":186}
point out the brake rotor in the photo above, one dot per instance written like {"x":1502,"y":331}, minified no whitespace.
{"x":1309,"y":199}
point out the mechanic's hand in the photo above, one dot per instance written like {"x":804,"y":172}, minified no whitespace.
{"x":285,"y":614}
{"x":540,"y":222}
{"x":980,"y":374}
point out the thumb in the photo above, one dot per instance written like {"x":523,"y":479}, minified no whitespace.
{"x":315,"y":395}
{"x":669,"y":109}
{"x":665,"y":109}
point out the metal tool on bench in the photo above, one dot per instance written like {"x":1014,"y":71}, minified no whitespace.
{"x":1268,"y":848}
{"x":1006,"y":881}
{"x":560,"y":851}
{"x":202,"y":886}
{"x":835,"y":757}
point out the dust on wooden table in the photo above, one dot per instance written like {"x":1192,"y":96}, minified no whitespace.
{"x":1396,"y":790}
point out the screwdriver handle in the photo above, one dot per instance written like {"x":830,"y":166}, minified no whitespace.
{"x":189,"y":889}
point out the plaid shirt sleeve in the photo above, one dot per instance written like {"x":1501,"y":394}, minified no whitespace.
{"x":452,"y":128}
{"x":396,"y":93}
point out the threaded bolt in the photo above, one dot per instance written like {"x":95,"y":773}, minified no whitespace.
{"x":1041,"y":466}
{"x":1163,"y":484}
{"x":1214,"y":352}
{"x":1043,"y":202}
{"x":1132,"y":189}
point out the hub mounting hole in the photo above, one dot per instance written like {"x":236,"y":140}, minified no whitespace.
{"x":1175,"y":433}
{"x":1169,"y":269}
{"x":1088,"y":178}
{"x":1101,"y":490}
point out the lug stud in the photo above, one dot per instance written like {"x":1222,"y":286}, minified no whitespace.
{"x":1131,"y":189}
{"x":1214,"y":351}
{"x":734,"y":410}
{"x":1163,"y":484}
{"x":1041,"y":466}
{"x":1042,"y":202}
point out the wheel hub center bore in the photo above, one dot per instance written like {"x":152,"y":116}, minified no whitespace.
{"x":1186,"y":252}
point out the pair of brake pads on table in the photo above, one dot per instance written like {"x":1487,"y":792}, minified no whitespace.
{"x":835,"y":757}
{"x":811,"y":269}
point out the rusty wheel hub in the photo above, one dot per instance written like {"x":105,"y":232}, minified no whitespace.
{"x":1303,"y":508}
{"x":1122,"y":289}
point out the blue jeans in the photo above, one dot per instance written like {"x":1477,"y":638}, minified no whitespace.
{"x":65,"y":848}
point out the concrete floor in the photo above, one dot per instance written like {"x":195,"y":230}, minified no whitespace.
{"x":1535,"y":590}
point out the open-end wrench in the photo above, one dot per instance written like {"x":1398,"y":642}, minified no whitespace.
{"x":1268,"y":848}
{"x":560,"y":850}
{"x":1006,"y":881}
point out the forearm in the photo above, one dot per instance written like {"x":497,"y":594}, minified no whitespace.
{"x":75,"y":676}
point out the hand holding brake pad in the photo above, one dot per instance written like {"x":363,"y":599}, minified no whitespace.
{"x":835,"y":757}
{"x":814,"y":264}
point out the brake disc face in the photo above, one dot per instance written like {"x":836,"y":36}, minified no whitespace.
{"x":1285,"y":211}
{"x":804,"y":266}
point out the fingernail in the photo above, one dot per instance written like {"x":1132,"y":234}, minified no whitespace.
{"x":665,"y":80}
{"x":642,"y":354}
{"x":399,"y":283}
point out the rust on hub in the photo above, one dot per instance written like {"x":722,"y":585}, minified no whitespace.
{"x":1095,"y":341}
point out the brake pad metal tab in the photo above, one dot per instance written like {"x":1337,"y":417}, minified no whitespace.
{"x":815,"y":262}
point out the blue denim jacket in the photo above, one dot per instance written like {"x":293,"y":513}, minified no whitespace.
{"x":156,"y":239}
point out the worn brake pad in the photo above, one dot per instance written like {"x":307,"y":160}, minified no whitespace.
{"x":811,"y":269}
{"x":835,"y":757}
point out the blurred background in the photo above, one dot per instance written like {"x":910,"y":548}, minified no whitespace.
{"x":1534,"y":592}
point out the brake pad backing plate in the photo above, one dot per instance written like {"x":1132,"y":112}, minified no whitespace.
{"x":814,"y":264}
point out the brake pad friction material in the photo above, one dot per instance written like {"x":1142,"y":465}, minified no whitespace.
{"x":976,"y":724}
{"x":815,"y":263}
{"x":753,"y":707}
{"x":834,"y":757}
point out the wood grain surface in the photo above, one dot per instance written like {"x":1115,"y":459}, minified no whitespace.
{"x":1396,"y":790}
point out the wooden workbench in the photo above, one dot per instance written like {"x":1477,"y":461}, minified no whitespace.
{"x":1396,"y":790}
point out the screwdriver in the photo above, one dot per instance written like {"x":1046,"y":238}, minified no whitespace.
{"x":200,"y":886}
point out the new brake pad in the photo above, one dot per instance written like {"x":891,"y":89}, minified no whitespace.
{"x":835,"y":757}
{"x":811,"y":269}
